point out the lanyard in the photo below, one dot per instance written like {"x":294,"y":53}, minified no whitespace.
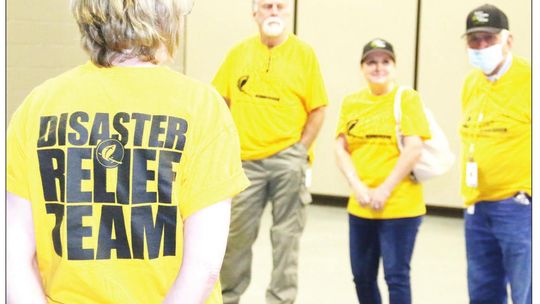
{"x":475,"y":128}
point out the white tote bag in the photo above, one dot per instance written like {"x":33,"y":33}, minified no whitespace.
{"x":436,"y":158}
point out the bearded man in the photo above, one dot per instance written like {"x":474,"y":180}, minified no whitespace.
{"x":275,"y":91}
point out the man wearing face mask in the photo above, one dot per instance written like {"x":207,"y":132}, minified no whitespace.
{"x":496,"y":172}
{"x":276,"y":94}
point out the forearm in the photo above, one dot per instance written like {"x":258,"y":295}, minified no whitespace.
{"x":312,"y":127}
{"x":23,"y":279}
{"x":193,"y":284}
{"x":345,"y":163}
{"x":407,"y":160}
{"x":205,"y":240}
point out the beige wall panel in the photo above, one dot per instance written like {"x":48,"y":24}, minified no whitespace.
{"x":213,"y":28}
{"x":442,"y":68}
{"x":42,"y":42}
{"x":338,"y":30}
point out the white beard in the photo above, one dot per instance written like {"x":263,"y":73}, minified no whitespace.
{"x":273,"y":26}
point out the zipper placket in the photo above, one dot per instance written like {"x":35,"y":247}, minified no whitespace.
{"x":269,"y":61}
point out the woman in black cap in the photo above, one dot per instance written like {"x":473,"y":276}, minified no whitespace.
{"x":386,"y":206}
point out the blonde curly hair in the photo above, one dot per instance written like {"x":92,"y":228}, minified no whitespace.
{"x":123,"y":29}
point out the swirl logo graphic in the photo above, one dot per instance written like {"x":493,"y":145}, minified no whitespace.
{"x":241,"y":83}
{"x":110,"y":153}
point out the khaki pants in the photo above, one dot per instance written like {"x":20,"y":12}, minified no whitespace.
{"x":280,"y":179}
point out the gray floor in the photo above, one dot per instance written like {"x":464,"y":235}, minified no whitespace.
{"x":438,"y":265}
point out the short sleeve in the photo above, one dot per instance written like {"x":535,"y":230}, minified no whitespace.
{"x":222,"y":78}
{"x":214,"y":169}
{"x":414,"y":121}
{"x":342,"y":120}
{"x":316,"y":92}
{"x":17,"y":159}
{"x":466,"y":89}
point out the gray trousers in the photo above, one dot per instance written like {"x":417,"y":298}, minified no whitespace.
{"x":279,"y":179}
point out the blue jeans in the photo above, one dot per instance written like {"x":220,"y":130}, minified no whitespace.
{"x":498,"y":240}
{"x":391,"y":239}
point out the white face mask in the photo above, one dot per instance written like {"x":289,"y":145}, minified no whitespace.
{"x":486,"y":59}
{"x":273,"y":26}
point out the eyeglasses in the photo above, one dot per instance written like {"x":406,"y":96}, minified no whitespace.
{"x":271,"y":6}
{"x":477,"y":40}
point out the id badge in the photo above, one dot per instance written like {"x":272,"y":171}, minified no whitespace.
{"x":471,"y":178}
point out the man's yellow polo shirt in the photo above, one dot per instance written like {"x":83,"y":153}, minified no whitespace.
{"x":502,"y":138}
{"x":271,"y":93}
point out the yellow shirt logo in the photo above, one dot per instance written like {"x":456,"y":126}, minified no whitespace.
{"x":119,"y":161}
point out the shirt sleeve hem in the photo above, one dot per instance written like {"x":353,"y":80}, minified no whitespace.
{"x":217,"y":193}
{"x":19,"y":191}
{"x":315,"y":106}
{"x":422,"y":136}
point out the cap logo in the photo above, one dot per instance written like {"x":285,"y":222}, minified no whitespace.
{"x":480,"y":17}
{"x":377,"y":44}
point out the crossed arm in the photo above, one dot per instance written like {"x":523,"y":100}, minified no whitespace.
{"x":205,"y":239}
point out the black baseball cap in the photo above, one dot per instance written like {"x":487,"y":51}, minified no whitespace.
{"x":378,"y":44}
{"x":486,"y":18}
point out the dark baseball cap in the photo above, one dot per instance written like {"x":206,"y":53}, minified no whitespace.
{"x":486,"y":18}
{"x":378,"y":44}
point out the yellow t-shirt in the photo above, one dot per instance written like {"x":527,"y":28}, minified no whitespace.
{"x":369,"y":125}
{"x":502,"y":139}
{"x":113,"y":160}
{"x":271,"y":93}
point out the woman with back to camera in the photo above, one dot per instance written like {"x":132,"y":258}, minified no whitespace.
{"x":120,"y":171}
{"x":386,"y":206}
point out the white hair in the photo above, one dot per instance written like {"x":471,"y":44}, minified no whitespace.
{"x":504,"y":35}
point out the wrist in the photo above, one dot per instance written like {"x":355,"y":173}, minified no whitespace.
{"x":355,"y":182}
{"x":351,"y":178}
{"x":387,"y":188}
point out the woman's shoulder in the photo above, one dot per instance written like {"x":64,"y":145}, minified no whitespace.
{"x":356,"y":97}
{"x":410,"y":95}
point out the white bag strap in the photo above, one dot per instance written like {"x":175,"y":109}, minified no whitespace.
{"x":397,"y":115}
{"x":397,"y":104}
